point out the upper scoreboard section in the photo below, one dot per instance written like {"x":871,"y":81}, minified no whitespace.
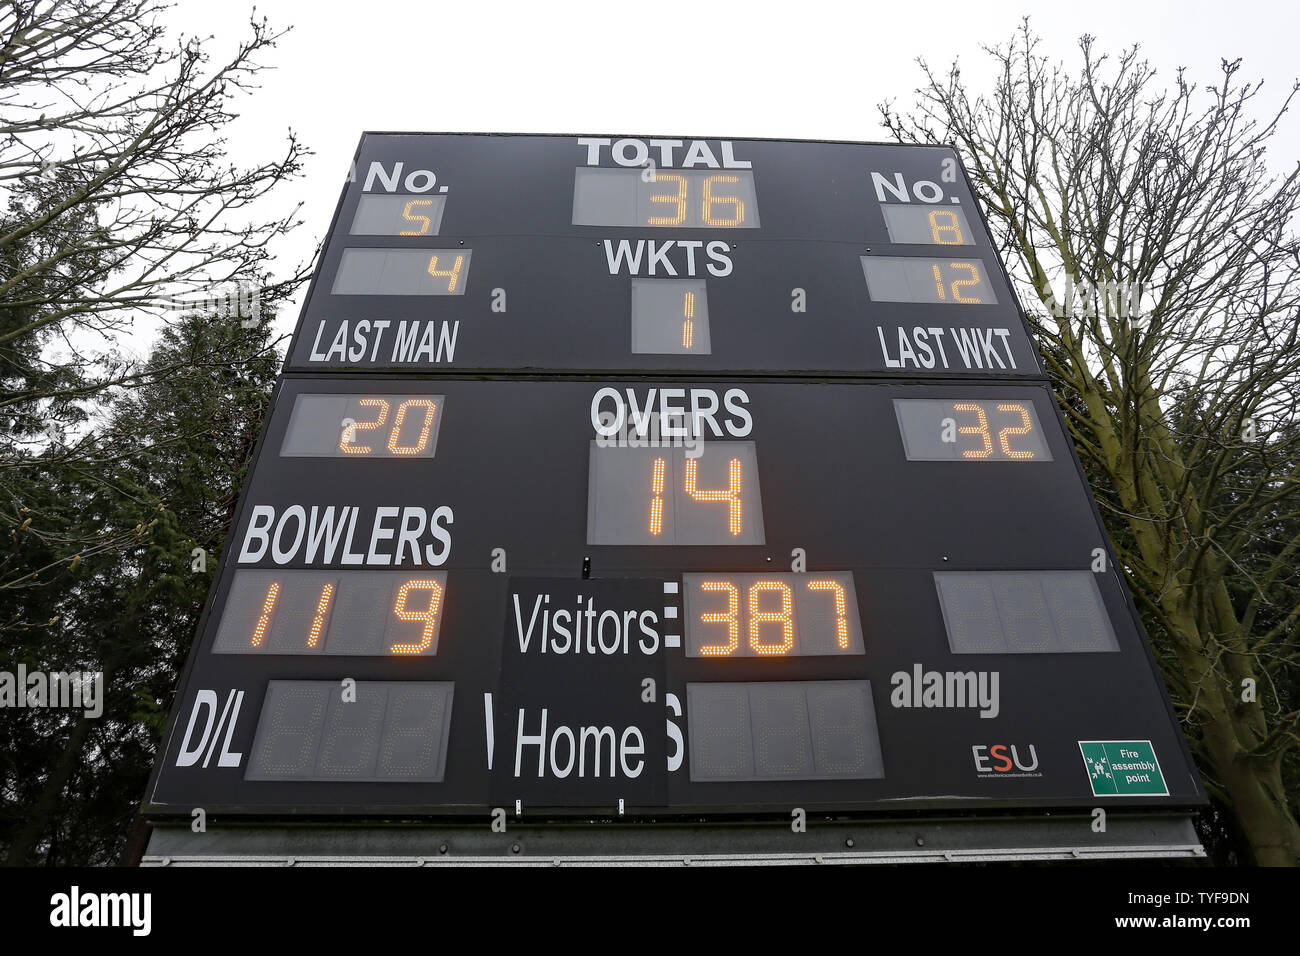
{"x":573,"y":254}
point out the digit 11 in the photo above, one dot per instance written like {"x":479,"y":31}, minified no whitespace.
{"x":268,"y":608}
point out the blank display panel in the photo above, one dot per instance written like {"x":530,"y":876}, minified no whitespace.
{"x":970,"y":430}
{"x":771,"y":615}
{"x":357,"y":613}
{"x":787,"y":730}
{"x":670,"y":198}
{"x":402,"y":272}
{"x":1024,"y":612}
{"x":670,"y":317}
{"x":398,"y":216}
{"x":927,"y":225}
{"x":665,"y":496}
{"x":363,"y":426}
{"x":393,"y":731}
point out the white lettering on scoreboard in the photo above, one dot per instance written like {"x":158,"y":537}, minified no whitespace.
{"x":584,"y":629}
{"x":649,"y":257}
{"x":666,"y":153}
{"x":937,"y":347}
{"x":560,"y":748}
{"x":216,"y":718}
{"x":379,"y":340}
{"x":664,"y":411}
{"x":327,"y":535}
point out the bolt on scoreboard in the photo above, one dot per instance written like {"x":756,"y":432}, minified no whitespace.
{"x":664,"y":478}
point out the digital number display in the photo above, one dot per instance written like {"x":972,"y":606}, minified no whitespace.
{"x":371,"y":613}
{"x":386,"y":731}
{"x":680,"y":198}
{"x":398,"y":215}
{"x":665,"y":496}
{"x":1024,"y":612}
{"x":942,"y":281}
{"x":670,"y":317}
{"x":927,"y":225}
{"x":402,"y":272}
{"x":970,"y":430}
{"x":789,"y":730}
{"x":771,"y":615}
{"x":636,"y":619}
{"x":363,"y":426}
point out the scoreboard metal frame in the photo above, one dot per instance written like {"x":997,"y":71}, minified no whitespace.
{"x":792,"y":478}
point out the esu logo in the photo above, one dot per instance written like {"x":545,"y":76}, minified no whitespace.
{"x":1003,"y":758}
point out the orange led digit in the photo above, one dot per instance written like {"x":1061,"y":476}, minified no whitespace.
{"x":841,"y":609}
{"x":1026,"y":426}
{"x":423,"y":442}
{"x":937,"y":229}
{"x":657,"y":497}
{"x":429,"y":615}
{"x":688,"y":327}
{"x":731,"y":617}
{"x":642,"y":194}
{"x":938,"y":283}
{"x":407,"y":215}
{"x":930,"y":432}
{"x":452,"y":275}
{"x":737,"y":207}
{"x":982,"y":429}
{"x":318,"y":622}
{"x":959,"y":284}
{"x":678,"y":200}
{"x":780,"y":614}
{"x":350,"y":432}
{"x":259,"y":632}
{"x":731,"y":495}
{"x":758,"y":617}
{"x":402,"y":426}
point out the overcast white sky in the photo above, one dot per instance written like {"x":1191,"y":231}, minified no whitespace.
{"x":805,"y":69}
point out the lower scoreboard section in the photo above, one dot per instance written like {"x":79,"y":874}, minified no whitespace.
{"x":659,"y":598}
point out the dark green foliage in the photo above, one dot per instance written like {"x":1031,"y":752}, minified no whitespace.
{"x":165,"y":468}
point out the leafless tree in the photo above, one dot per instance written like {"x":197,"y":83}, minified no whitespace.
{"x":117,"y":202}
{"x":1157,"y":258}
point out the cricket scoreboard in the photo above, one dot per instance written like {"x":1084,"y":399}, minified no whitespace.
{"x":651,"y":479}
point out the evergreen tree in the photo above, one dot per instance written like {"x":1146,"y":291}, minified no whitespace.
{"x":167,"y":468}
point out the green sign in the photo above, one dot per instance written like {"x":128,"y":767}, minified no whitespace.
{"x":1122,"y":768}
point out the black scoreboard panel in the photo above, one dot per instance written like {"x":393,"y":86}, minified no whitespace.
{"x":709,"y":486}
{"x":553,"y":253}
{"x":946,"y":606}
